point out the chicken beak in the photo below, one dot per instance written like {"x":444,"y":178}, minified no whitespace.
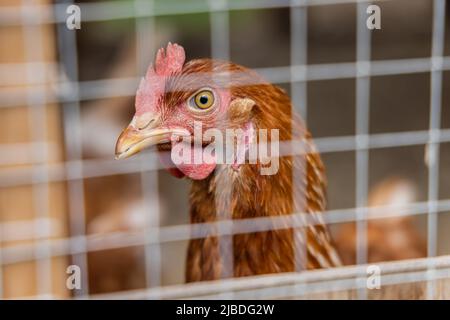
{"x":133,"y":140}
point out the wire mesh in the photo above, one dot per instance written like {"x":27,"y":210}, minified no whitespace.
{"x":69,"y":92}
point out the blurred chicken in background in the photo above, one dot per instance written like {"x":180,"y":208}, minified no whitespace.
{"x":118,"y":269}
{"x":388,"y":238}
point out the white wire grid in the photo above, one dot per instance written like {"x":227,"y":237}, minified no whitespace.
{"x":69,"y":93}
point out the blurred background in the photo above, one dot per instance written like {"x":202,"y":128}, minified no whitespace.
{"x":65,"y":96}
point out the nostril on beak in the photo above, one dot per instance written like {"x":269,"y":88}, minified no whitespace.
{"x":146,"y":121}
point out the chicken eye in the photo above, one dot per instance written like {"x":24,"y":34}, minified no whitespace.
{"x":204,"y":99}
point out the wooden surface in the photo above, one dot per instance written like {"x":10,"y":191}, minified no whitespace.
{"x":19,"y":204}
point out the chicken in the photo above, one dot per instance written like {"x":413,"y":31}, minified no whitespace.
{"x":172,"y":97}
{"x":122,"y":268}
{"x":388,"y":238}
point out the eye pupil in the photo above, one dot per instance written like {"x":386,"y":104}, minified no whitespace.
{"x":204,"y":99}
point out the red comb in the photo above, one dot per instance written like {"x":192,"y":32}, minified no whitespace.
{"x":168,"y":62}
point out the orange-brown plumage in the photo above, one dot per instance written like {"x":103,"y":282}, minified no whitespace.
{"x":390,"y":235}
{"x":245,"y":193}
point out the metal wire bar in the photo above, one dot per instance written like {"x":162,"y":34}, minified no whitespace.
{"x":62,"y":91}
{"x":363,"y":48}
{"x":435,"y":124}
{"x":149,"y":180}
{"x":67,"y":46}
{"x":24,"y":152}
{"x":220,"y":49}
{"x":296,"y":284}
{"x":20,"y":230}
{"x":89,"y":243}
{"x":299,"y":49}
{"x":13,"y":73}
{"x":104,"y":167}
{"x":297,"y":71}
{"x":105,"y":10}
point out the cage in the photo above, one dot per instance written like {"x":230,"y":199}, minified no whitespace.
{"x":375,"y":100}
